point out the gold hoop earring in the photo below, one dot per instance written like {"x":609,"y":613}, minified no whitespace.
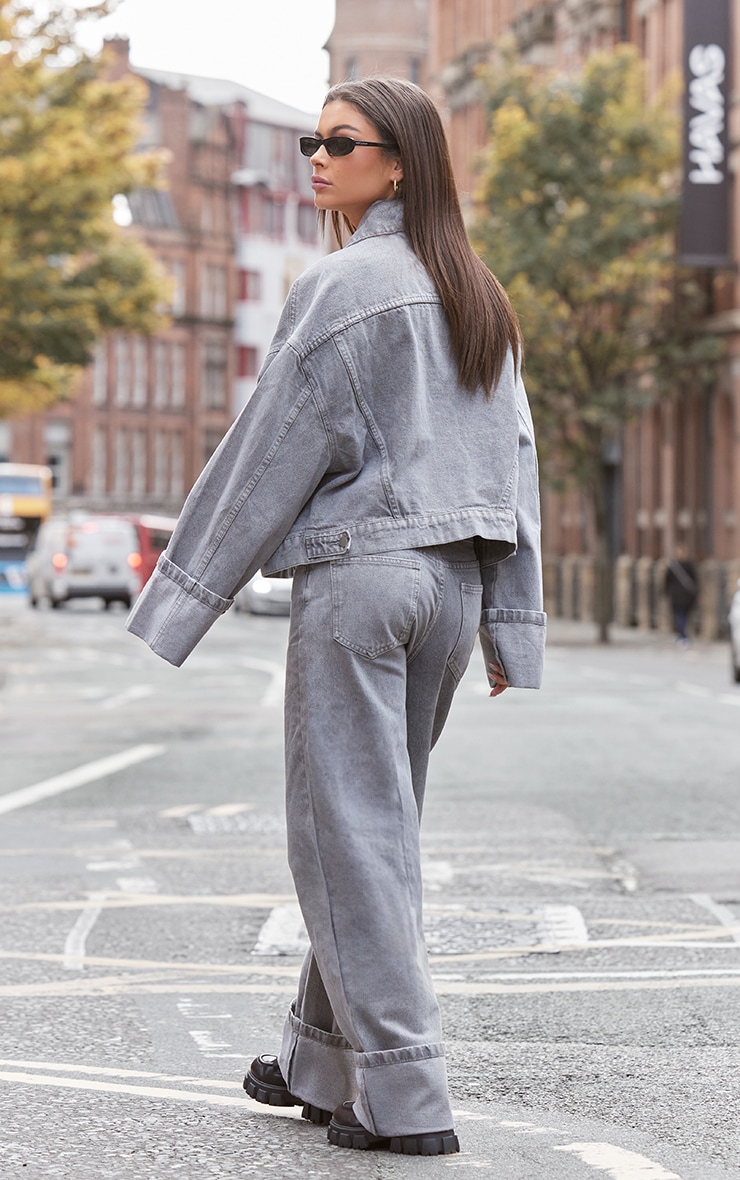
{"x":395,"y":187}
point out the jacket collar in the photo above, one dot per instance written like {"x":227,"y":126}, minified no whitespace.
{"x":383,"y":217}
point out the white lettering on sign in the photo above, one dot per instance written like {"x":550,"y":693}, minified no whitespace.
{"x":707,"y":64}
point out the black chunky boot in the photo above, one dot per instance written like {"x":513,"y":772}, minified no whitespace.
{"x":265,"y":1083}
{"x":346,"y":1131}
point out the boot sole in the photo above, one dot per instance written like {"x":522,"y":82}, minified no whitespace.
{"x":315,"y":1115}
{"x":444,"y":1143}
{"x":278,"y":1096}
{"x":269,"y":1095}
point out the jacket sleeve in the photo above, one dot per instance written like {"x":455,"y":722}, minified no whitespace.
{"x":512,"y":631}
{"x":240,"y":509}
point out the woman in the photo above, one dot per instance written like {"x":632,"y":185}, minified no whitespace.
{"x":387,"y":459}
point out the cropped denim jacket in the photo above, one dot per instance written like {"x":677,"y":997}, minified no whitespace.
{"x":359,"y":440}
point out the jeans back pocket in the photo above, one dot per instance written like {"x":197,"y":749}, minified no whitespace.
{"x":374,"y":602}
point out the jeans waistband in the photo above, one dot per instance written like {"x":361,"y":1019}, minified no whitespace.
{"x":459,"y":554}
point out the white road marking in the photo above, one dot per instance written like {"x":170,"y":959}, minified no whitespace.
{"x":722,"y":913}
{"x":136,"y":692}
{"x":257,"y":901}
{"x":203,"y":1038}
{"x":137,"y":885}
{"x":74,"y":947}
{"x":130,"y":986}
{"x":276,"y":688}
{"x":120,"y":1073}
{"x":111,"y":866}
{"x":229,"y":809}
{"x":530,"y":1128}
{"x":618,"y":1163}
{"x":180,"y":812}
{"x":156,"y":965}
{"x":283,"y":933}
{"x":291,"y":972}
{"x":436,"y":873}
{"x":88,"y":773}
{"x":561,"y":926}
{"x":727,"y":699}
{"x":147,"y":1092}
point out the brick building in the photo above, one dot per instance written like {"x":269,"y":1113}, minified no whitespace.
{"x":234,"y":227}
{"x":386,"y":36}
{"x":679,"y":475}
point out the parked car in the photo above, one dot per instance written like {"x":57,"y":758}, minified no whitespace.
{"x":85,"y":556}
{"x":265,"y":596}
{"x":154,"y":534}
{"x":734,"y":620}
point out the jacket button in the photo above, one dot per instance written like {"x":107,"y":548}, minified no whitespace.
{"x":344,"y":540}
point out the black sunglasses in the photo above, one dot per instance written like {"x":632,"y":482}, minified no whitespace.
{"x":336,"y":145}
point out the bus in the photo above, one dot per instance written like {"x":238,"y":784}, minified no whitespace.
{"x":25,"y":503}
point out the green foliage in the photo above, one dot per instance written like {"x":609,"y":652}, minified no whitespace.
{"x":580,"y":201}
{"x":68,"y":143}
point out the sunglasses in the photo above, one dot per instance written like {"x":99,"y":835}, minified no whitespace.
{"x":336,"y":145}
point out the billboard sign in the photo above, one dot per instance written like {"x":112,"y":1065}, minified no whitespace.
{"x":705,"y":212}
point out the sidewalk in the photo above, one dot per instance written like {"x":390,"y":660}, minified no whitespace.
{"x":574,"y":633}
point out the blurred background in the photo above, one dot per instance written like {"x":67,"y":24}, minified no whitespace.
{"x":155,"y":211}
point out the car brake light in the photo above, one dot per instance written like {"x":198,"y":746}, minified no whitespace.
{"x":134,"y":560}
{"x":59,"y":561}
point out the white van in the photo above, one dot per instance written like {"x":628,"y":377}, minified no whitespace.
{"x":85,"y":556}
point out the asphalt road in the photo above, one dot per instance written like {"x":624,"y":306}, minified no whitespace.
{"x":582,"y":865}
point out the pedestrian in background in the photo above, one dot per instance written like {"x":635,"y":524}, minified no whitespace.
{"x":387,"y":459}
{"x":682,"y":588}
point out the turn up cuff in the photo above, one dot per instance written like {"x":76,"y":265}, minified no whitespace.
{"x":318,"y":1066}
{"x":515,"y":639}
{"x":403,"y":1091}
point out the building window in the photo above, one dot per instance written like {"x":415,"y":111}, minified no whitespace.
{"x":273,"y":218}
{"x":138,"y":461}
{"x":58,"y":449}
{"x":123,"y":371}
{"x":247,"y":362}
{"x":120,"y":473}
{"x":260,"y":147}
{"x":99,"y":471}
{"x":140,"y":372}
{"x":161,"y":375}
{"x":177,"y":361}
{"x":250,"y":284}
{"x":100,"y":374}
{"x":177,"y":464}
{"x":214,"y":375}
{"x":307,"y":223}
{"x":161,"y":462}
{"x":179,"y":301}
{"x":213,"y":295}
{"x":210,"y":443}
{"x":206,"y":211}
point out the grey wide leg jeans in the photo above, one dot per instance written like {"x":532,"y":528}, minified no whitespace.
{"x":377,"y":647}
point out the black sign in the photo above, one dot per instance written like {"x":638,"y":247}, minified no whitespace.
{"x":705,"y":214}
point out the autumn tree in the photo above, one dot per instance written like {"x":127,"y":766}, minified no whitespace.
{"x":67,"y":146}
{"x":579,"y":198}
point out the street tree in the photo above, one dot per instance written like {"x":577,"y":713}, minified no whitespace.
{"x":579,"y":205}
{"x":68,"y":137}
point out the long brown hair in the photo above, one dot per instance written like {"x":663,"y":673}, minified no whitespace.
{"x":483,"y":324}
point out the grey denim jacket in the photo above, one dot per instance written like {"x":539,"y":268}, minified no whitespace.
{"x":359,"y":440}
